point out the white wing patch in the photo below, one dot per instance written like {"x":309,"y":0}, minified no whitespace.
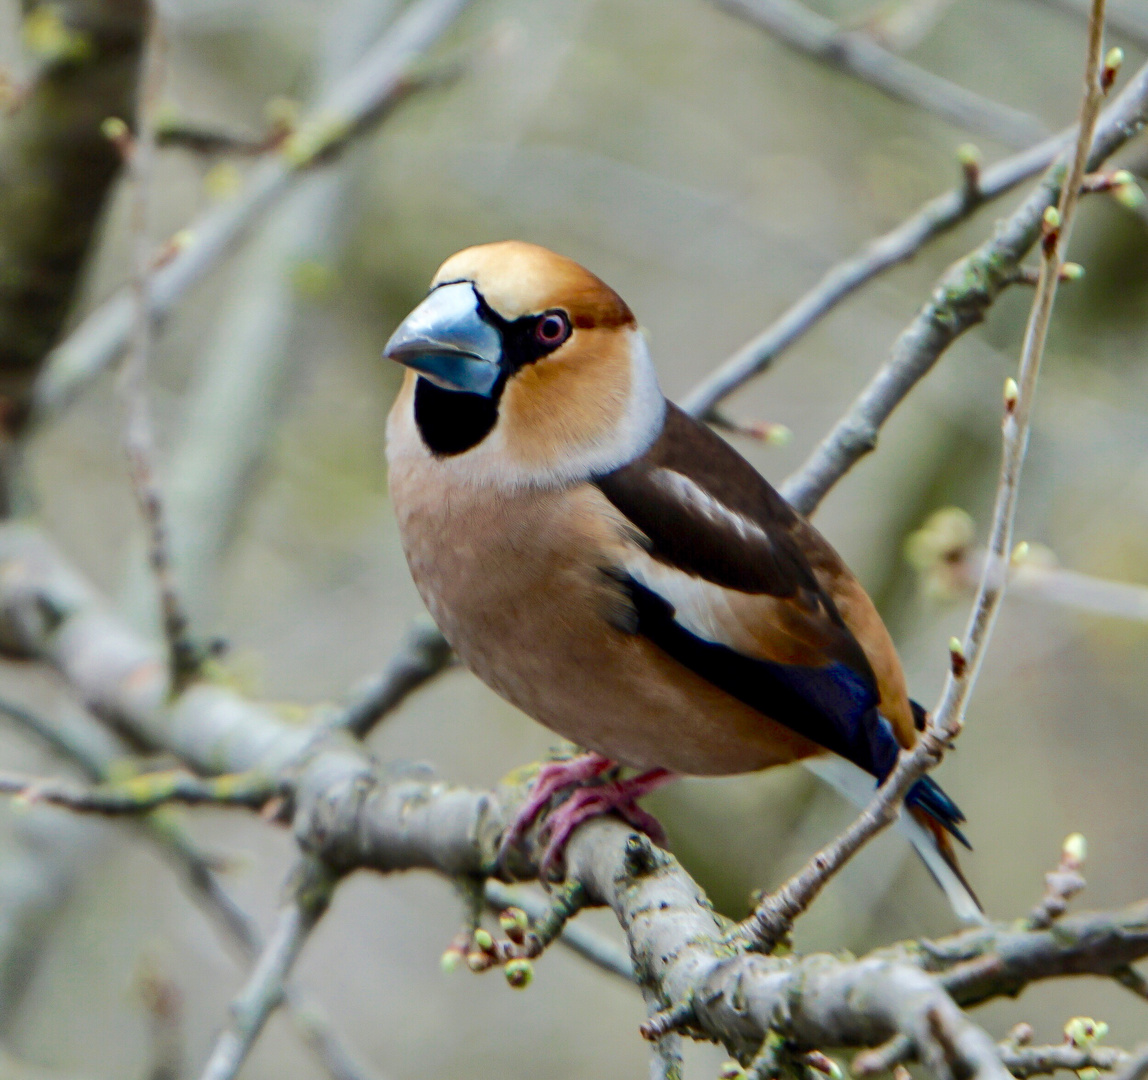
{"x":696,"y":497}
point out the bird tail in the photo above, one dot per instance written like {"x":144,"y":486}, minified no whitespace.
{"x":928,"y":835}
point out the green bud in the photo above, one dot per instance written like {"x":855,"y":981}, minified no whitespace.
{"x":778,"y":435}
{"x":450,"y":960}
{"x":1071,"y":271}
{"x":968,"y":155}
{"x":1011,"y":393}
{"x":1052,"y":218}
{"x":1131,"y":195}
{"x":1083,"y":1031}
{"x":519,"y":973}
{"x":1113,"y":59}
{"x":483,"y":940}
{"x":1075,"y":849}
{"x":1019,"y":553}
{"x":114,"y":129}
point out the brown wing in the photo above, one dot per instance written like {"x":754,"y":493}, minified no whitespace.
{"x":701,"y":508}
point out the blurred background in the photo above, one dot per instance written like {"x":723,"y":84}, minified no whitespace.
{"x":710,"y":174}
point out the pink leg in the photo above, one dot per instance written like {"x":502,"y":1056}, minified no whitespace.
{"x":619,"y":797}
{"x":551,"y":779}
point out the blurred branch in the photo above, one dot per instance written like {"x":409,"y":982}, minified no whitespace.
{"x":143,"y":792}
{"x":383,"y":78}
{"x":423,"y":654}
{"x":97,"y":753}
{"x":311,"y":887}
{"x":942,"y":553}
{"x":959,"y":301}
{"x":1126,"y":20}
{"x":243,"y":376}
{"x":1026,"y":1061}
{"x":56,"y":170}
{"x":139,"y":438}
{"x":856,"y":53}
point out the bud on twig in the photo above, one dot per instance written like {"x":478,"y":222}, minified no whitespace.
{"x":514,"y":923}
{"x":957,"y":659}
{"x":1011,"y":395}
{"x":969,"y":158}
{"x":1112,"y":61}
{"x":117,"y":132}
{"x":1050,"y":229}
{"x":519,"y":973}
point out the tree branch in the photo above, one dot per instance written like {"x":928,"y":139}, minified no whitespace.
{"x":311,"y":887}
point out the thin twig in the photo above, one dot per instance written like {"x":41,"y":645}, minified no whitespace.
{"x":857,"y":54}
{"x":775,"y":914}
{"x":949,"y":714}
{"x":423,"y":654}
{"x":144,"y":792}
{"x":311,"y":887}
{"x":362,"y":96}
{"x":139,"y":439}
{"x":598,"y":950}
{"x":1026,"y":1061}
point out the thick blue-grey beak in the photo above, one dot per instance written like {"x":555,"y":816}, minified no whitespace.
{"x":446,"y":339}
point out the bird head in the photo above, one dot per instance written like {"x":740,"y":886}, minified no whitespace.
{"x":521,"y":355}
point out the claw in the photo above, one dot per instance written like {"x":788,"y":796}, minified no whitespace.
{"x":618,"y":797}
{"x":551,"y":779}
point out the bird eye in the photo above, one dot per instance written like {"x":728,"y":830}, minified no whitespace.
{"x":552,"y":329}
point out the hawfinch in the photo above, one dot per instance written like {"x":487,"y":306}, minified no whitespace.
{"x":618,"y":571}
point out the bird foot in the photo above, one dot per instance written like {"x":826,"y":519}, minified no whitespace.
{"x":617,"y":796}
{"x":594,"y":800}
{"x":551,"y":779}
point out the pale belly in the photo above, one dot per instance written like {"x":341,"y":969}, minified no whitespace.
{"x":509,"y":582}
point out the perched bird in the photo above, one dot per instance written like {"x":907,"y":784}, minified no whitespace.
{"x":614,"y":568}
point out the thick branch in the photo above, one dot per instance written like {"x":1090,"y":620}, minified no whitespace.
{"x":56,"y":168}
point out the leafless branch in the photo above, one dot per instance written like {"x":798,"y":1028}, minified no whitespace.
{"x":310,"y":888}
{"x":139,"y":438}
{"x":857,"y":54}
{"x":1057,"y":223}
{"x":934,"y":219}
{"x":1026,"y":1061}
{"x":423,"y":654}
{"x":143,"y":792}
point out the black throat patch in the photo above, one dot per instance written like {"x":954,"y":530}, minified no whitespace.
{"x":453,"y":421}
